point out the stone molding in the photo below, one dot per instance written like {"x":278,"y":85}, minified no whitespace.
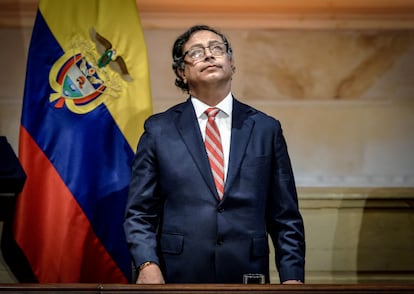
{"x":260,"y":14}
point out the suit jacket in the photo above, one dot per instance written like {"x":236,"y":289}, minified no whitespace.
{"x":174,"y":217}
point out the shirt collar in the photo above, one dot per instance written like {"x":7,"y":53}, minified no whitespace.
{"x":225,"y":105}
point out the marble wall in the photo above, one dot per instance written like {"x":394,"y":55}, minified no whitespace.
{"x":345,"y":98}
{"x":346,"y":102}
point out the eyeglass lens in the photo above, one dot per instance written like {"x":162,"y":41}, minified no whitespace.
{"x":199,"y":52}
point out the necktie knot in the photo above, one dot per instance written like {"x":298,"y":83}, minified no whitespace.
{"x":212,"y":112}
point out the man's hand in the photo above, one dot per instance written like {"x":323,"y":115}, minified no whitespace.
{"x":292,"y":282}
{"x":151,"y":274}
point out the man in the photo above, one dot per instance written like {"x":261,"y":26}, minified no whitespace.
{"x":206,"y":191}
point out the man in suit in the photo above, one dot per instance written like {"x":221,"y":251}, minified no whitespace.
{"x":205,"y":193}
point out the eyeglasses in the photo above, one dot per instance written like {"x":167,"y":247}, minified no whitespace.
{"x":199,"y":52}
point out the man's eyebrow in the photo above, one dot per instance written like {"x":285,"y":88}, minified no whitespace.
{"x":208,"y":43}
{"x":196,"y":45}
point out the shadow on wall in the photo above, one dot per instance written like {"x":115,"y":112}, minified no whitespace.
{"x":385,"y":251}
{"x":374,"y":241}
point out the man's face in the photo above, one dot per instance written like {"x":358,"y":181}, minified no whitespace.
{"x":211,"y":68}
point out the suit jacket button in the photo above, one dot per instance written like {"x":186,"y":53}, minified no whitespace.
{"x":220,"y":209}
{"x":219,"y":241}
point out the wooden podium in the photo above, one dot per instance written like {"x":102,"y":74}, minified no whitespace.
{"x":207,"y":288}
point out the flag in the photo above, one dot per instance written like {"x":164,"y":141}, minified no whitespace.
{"x":87,"y":94}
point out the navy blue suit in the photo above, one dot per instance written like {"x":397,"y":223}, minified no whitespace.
{"x":175,"y":219}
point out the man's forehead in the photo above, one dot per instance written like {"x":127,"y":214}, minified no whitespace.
{"x":203,"y":37}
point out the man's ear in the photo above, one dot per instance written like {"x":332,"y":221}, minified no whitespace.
{"x":181,"y":73}
{"x":233,"y":67}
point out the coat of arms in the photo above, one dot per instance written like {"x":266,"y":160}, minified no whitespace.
{"x":80,"y":77}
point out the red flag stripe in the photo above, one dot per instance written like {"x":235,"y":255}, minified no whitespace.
{"x":52,"y":257}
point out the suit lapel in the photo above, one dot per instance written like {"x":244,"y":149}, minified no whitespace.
{"x":187,"y":125}
{"x":241,"y":129}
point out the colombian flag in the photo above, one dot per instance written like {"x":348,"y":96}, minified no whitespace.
{"x":87,"y":94}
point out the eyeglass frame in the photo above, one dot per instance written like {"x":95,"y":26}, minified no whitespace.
{"x":204,"y":50}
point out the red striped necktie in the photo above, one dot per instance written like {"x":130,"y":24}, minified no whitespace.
{"x":215,"y":150}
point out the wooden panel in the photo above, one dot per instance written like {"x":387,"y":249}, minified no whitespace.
{"x":329,"y":14}
{"x":358,"y":235}
{"x":280,"y":6}
{"x":206,"y":288}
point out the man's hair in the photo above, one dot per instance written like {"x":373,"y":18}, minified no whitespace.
{"x":177,"y":51}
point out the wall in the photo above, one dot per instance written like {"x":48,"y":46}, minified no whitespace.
{"x":345,"y":97}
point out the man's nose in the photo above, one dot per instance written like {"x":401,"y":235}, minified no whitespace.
{"x":207,"y":53}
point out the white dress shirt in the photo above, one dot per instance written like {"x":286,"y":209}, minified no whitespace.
{"x":223,"y":121}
